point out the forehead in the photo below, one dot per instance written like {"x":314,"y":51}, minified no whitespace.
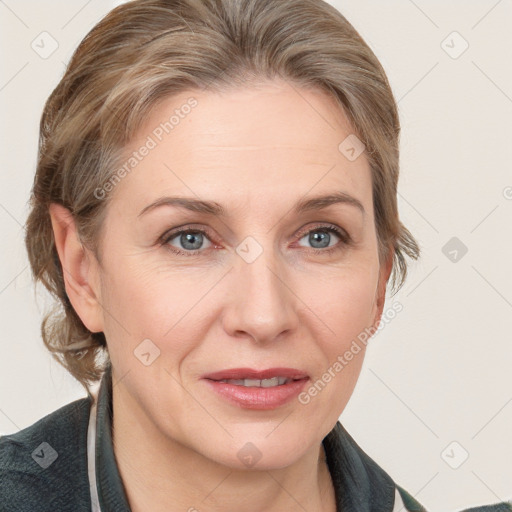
{"x":273,"y":139}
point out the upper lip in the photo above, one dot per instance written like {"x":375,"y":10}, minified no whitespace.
{"x":249,"y":373}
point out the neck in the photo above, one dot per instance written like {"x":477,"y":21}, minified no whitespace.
{"x":161,"y":474}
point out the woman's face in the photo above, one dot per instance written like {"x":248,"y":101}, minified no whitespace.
{"x":265,"y":286}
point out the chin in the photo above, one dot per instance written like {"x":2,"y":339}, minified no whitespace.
{"x":259,"y":447}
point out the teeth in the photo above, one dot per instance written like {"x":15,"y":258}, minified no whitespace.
{"x":256,"y":383}
{"x":252,"y":383}
{"x":274,"y":381}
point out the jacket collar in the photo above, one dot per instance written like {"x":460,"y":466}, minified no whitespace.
{"x":111,"y":492}
{"x":360,"y":485}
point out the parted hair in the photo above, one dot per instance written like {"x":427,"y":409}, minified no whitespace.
{"x":145,"y":51}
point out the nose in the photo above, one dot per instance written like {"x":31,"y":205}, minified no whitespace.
{"x":261,"y":305}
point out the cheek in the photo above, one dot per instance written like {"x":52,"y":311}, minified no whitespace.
{"x":352,"y":311}
{"x":143,"y":301}
{"x":344,"y":302}
{"x":346,"y":308}
{"x":137,"y":305}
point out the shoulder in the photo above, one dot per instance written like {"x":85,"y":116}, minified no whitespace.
{"x":412,"y":505}
{"x":367,"y":486}
{"x":43,"y":467}
{"x":497,"y":507}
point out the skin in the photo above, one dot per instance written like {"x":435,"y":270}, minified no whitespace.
{"x":256,"y":151}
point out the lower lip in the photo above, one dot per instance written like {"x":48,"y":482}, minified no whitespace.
{"x":258,"y":398}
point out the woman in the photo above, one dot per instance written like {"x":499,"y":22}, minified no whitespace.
{"x":215,"y":210}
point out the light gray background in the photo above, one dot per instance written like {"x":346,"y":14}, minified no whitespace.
{"x":441,"y":370}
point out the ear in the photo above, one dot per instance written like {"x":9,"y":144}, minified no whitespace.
{"x":79,"y":269}
{"x":380,"y":294}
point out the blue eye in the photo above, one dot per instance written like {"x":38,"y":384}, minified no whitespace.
{"x":322,"y":237}
{"x":191,"y":240}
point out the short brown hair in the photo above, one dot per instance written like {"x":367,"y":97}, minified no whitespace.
{"x":147,"y":50}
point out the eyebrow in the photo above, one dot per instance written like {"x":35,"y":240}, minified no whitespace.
{"x":217,"y":210}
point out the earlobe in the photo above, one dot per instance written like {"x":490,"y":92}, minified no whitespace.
{"x":77,"y":268}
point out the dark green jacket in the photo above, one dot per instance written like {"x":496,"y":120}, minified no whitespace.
{"x":44,"y":467}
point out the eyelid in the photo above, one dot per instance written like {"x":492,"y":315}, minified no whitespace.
{"x":340,"y":232}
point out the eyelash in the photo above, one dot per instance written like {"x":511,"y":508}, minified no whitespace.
{"x":330,"y":228}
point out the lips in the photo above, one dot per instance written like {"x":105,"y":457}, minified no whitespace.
{"x":247,"y":388}
{"x":249,"y":373}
